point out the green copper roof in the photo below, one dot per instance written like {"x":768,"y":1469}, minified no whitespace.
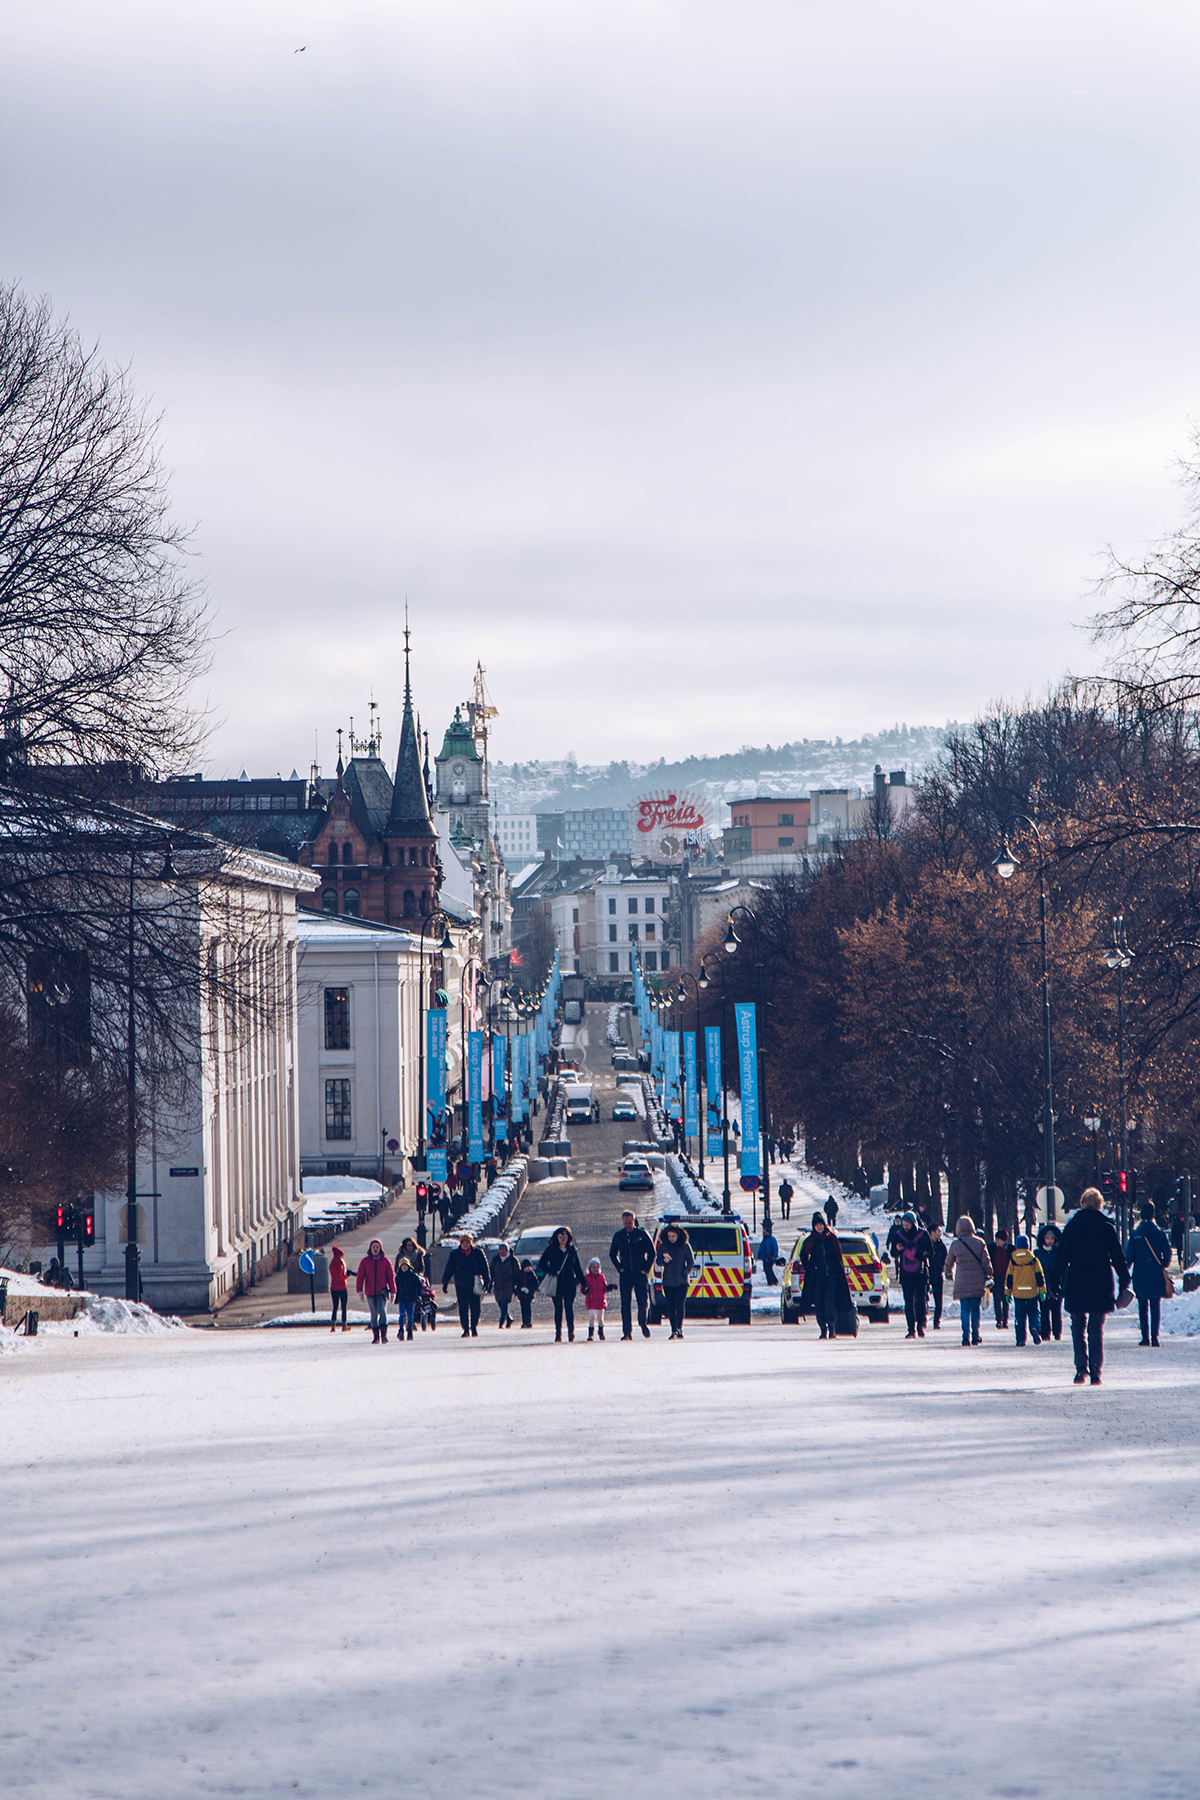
{"x":458,"y":740}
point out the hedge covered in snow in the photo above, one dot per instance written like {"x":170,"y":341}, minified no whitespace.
{"x":489,"y":1215}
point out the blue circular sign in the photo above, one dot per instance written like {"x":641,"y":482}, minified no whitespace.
{"x":749,"y":1182}
{"x":308,"y":1262}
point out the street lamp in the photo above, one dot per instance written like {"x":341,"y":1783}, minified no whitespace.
{"x":731,"y":942}
{"x":1006,"y":865}
{"x":685,"y":976}
{"x":1119,"y":958}
{"x":435,"y":918}
{"x":705,"y":978}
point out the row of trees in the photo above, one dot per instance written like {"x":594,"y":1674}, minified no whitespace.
{"x":903,"y":978}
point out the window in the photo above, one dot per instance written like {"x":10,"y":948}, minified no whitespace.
{"x":412,"y":856}
{"x":329,"y":900}
{"x":651,"y":960}
{"x":612,"y":934}
{"x":410,"y":904}
{"x":350,"y":904}
{"x":650,"y":904}
{"x":649,"y":934}
{"x":633,"y":934}
{"x":337,"y":1109}
{"x":614,"y":961}
{"x":786,"y":843}
{"x":337,"y":1018}
{"x":347,"y":853}
{"x":665,"y":960}
{"x":331,"y":854}
{"x":575,"y":916}
{"x":787,"y":819}
{"x":633,"y":906}
{"x":612,"y":906}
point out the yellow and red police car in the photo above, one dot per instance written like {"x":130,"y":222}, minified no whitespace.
{"x":721,"y":1280}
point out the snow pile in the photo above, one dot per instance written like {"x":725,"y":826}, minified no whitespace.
{"x":1180,"y":1316}
{"x":696,"y":1198}
{"x":25,"y":1284}
{"x":340,"y":1184}
{"x":614,"y":1026}
{"x":489,"y":1214}
{"x":104,"y":1315}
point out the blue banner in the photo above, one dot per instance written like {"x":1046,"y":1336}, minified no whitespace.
{"x":691,"y":1119}
{"x":747,"y":1040}
{"x":438,"y":1131}
{"x":499,"y":1092}
{"x":712,"y":1072}
{"x":672,"y":1096}
{"x":475,"y":1096}
{"x":520,"y":1077}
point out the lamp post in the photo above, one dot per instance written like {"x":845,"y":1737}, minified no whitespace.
{"x":731,"y":942}
{"x":1119,"y":958}
{"x":435,"y":918}
{"x":705,"y":978}
{"x":133,"y":1253}
{"x":1005,"y":866}
{"x":685,"y":976}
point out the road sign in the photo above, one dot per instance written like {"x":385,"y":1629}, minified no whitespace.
{"x":393,"y":1145}
{"x":749,"y":1182}
{"x":308,"y":1262}
{"x":1057,"y":1210}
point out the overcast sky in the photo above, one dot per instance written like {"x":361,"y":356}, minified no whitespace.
{"x":715,"y":371}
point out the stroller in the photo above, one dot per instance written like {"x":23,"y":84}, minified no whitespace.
{"x":426,"y":1308}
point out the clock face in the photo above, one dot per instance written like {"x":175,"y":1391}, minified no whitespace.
{"x":458,"y":769}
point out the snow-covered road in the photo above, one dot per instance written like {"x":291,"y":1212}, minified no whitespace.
{"x":291,"y":1564}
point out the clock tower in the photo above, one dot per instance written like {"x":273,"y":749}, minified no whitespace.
{"x":461,"y":783}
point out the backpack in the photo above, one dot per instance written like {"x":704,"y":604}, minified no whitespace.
{"x":911,"y":1256}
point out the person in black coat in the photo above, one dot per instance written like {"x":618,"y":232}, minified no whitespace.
{"x":1050,"y":1322}
{"x":561,"y":1274}
{"x":1089,"y":1253}
{"x":939,"y":1249}
{"x":1149,"y":1252}
{"x":631,"y":1254}
{"x":826,"y":1290}
{"x":526,"y":1288}
{"x":467,"y":1268}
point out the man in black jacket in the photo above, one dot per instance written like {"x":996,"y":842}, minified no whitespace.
{"x":631,"y":1254}
{"x":938,"y":1252}
{"x":1089,"y":1253}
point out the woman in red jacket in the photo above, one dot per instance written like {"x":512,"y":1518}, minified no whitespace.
{"x":376,"y":1280}
{"x":337,"y":1287}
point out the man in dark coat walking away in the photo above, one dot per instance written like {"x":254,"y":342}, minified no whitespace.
{"x":786,"y":1193}
{"x":631,"y":1254}
{"x":831,"y":1212}
{"x":1089,"y":1253}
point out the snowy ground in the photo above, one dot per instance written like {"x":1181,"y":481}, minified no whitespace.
{"x":284,"y":1563}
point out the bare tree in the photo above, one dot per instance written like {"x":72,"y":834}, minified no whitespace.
{"x":101,"y":630}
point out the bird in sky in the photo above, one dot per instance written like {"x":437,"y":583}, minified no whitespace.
{"x":300,"y":50}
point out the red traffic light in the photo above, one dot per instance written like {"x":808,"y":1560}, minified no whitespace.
{"x":89,"y":1226}
{"x":62,"y":1218}
{"x":1123,"y":1181}
{"x":422,"y":1190}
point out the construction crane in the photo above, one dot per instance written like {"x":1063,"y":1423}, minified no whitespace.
{"x":479,"y":711}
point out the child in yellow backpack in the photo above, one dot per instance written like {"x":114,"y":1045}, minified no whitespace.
{"x":1025,"y":1284}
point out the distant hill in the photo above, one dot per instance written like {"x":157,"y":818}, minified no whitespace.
{"x":791,"y":769}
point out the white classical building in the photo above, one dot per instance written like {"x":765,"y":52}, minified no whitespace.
{"x":218,"y":1165}
{"x":359,"y":988}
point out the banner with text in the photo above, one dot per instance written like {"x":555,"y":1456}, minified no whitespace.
{"x":672,"y":1097}
{"x":499,"y":1092}
{"x":691,"y":1121}
{"x":475,"y":1096}
{"x":712,"y":1072}
{"x":747,"y":1040}
{"x":437,"y":1130}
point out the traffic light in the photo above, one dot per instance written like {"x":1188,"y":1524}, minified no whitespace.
{"x":1107,"y":1184}
{"x":1123,"y":1183}
{"x":422,"y":1193}
{"x":87,"y":1224}
{"x":61,"y":1220}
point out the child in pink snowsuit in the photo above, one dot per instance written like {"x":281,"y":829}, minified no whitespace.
{"x":595,"y":1295}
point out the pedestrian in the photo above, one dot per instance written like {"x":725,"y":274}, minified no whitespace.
{"x":826,"y":1290}
{"x":417,"y":1259}
{"x":912,"y":1260}
{"x":337,"y":1288}
{"x":1025,"y":1284}
{"x":466,"y":1267}
{"x":1050,"y":1323}
{"x":408,"y":1292}
{"x":631,"y":1254}
{"x":938,"y":1251}
{"x":559,"y":1272}
{"x":676,"y":1259}
{"x":526,"y":1288}
{"x":596,"y":1121}
{"x":786,"y":1193}
{"x":1001,"y":1251}
{"x":504,"y":1283}
{"x":1148,"y":1252}
{"x":768,"y":1252}
{"x":737,"y":1130}
{"x":376,"y":1280}
{"x":595,"y":1297}
{"x":968,"y":1261}
{"x":57,"y":1275}
{"x":1089,"y":1254}
{"x":831,"y":1212}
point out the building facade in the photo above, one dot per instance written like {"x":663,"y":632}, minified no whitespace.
{"x":762,"y":825}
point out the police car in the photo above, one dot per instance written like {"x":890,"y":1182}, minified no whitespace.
{"x":720,"y":1284}
{"x":865,"y":1276}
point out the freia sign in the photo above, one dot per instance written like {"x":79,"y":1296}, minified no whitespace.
{"x":669,"y":825}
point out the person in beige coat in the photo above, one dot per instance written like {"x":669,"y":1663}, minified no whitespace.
{"x":971,"y":1266}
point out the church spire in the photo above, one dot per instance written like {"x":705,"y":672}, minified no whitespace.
{"x":409,"y":816}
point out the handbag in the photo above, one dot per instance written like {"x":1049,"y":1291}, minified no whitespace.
{"x":1168,"y":1284}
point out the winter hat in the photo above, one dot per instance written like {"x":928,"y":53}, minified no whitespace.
{"x":909,"y":1218}
{"x":1021,"y":1243}
{"x":594,"y":1264}
{"x":818,"y":1218}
